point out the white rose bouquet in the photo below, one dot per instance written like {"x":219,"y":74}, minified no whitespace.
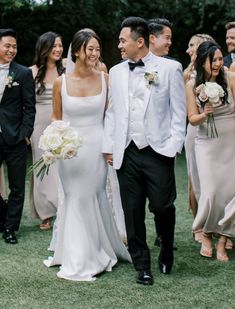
{"x":58,"y":141}
{"x":210,"y":93}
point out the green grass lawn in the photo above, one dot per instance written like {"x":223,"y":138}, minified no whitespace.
{"x":195,"y":282}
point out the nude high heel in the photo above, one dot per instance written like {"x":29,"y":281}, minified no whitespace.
{"x":221,"y":253}
{"x":206,"y":246}
{"x":229,"y":244}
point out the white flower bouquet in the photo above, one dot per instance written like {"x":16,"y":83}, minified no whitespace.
{"x":210,"y":93}
{"x":58,"y":141}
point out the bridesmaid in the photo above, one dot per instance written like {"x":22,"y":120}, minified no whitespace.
{"x":47,"y":66}
{"x":214,"y":156}
{"x":189,"y":73}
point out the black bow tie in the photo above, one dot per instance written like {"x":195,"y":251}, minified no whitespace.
{"x":132,"y":65}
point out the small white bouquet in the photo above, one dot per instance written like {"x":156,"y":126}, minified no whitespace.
{"x":58,"y":141}
{"x":211,"y":93}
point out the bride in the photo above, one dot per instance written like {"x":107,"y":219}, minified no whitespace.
{"x":88,"y":241}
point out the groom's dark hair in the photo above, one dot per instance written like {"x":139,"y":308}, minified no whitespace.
{"x":139,"y":28}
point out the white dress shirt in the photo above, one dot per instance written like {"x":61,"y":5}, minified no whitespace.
{"x":4,"y":71}
{"x":136,"y":90}
{"x":233,"y":57}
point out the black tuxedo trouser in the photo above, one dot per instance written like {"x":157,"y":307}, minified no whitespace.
{"x":147,"y":174}
{"x":15,"y":157}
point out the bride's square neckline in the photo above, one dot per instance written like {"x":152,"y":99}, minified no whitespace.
{"x":84,"y":97}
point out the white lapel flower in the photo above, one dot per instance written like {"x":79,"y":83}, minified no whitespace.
{"x":151,"y":78}
{"x":9,"y":80}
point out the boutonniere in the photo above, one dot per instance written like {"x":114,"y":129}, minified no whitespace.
{"x":151,"y":78}
{"x":9,"y":80}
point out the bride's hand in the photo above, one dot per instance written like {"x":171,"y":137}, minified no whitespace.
{"x":109,"y":158}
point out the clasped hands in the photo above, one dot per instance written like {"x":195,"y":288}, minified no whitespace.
{"x":208,"y":109}
{"x":109,"y":158}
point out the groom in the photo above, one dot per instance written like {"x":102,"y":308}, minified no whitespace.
{"x":144,"y":129}
{"x":17,"y":112}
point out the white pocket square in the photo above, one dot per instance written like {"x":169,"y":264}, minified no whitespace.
{"x":15,"y":84}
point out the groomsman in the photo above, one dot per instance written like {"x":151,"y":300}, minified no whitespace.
{"x":17,"y":112}
{"x":144,"y":129}
{"x":160,"y":36}
{"x":230,"y":41}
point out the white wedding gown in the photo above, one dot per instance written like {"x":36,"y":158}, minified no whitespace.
{"x":87,"y":239}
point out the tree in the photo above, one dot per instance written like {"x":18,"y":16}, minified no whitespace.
{"x":32,"y":18}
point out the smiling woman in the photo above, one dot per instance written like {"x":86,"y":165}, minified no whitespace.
{"x":47,"y":67}
{"x":189,"y":73}
{"x":88,"y":241}
{"x":210,"y":105}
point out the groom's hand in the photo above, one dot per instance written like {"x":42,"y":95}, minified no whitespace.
{"x":109,"y":158}
{"x":27,"y":140}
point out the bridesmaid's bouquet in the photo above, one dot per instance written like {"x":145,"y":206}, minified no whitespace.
{"x":58,"y":141}
{"x":210,"y":93}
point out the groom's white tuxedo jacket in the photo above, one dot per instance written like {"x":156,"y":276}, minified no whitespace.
{"x":164,"y":104}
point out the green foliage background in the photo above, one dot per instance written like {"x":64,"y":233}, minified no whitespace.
{"x":31,"y":18}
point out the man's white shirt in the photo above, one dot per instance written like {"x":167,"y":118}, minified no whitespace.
{"x":136,"y":105}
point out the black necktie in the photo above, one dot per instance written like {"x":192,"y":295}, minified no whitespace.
{"x":132,"y":65}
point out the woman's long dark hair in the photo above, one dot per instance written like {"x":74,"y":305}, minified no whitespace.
{"x":205,"y":50}
{"x":43,"y":48}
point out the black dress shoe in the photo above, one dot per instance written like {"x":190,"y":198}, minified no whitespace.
{"x":144,"y":277}
{"x":9,"y":237}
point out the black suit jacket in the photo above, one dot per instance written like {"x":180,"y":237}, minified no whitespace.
{"x":228,"y":60}
{"x":17,"y":106}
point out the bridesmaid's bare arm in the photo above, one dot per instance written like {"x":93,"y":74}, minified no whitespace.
{"x":57,"y":100}
{"x":194,"y":117}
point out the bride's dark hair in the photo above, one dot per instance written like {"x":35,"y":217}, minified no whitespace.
{"x":207,"y":50}
{"x":81,"y":39}
{"x":43,"y":48}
